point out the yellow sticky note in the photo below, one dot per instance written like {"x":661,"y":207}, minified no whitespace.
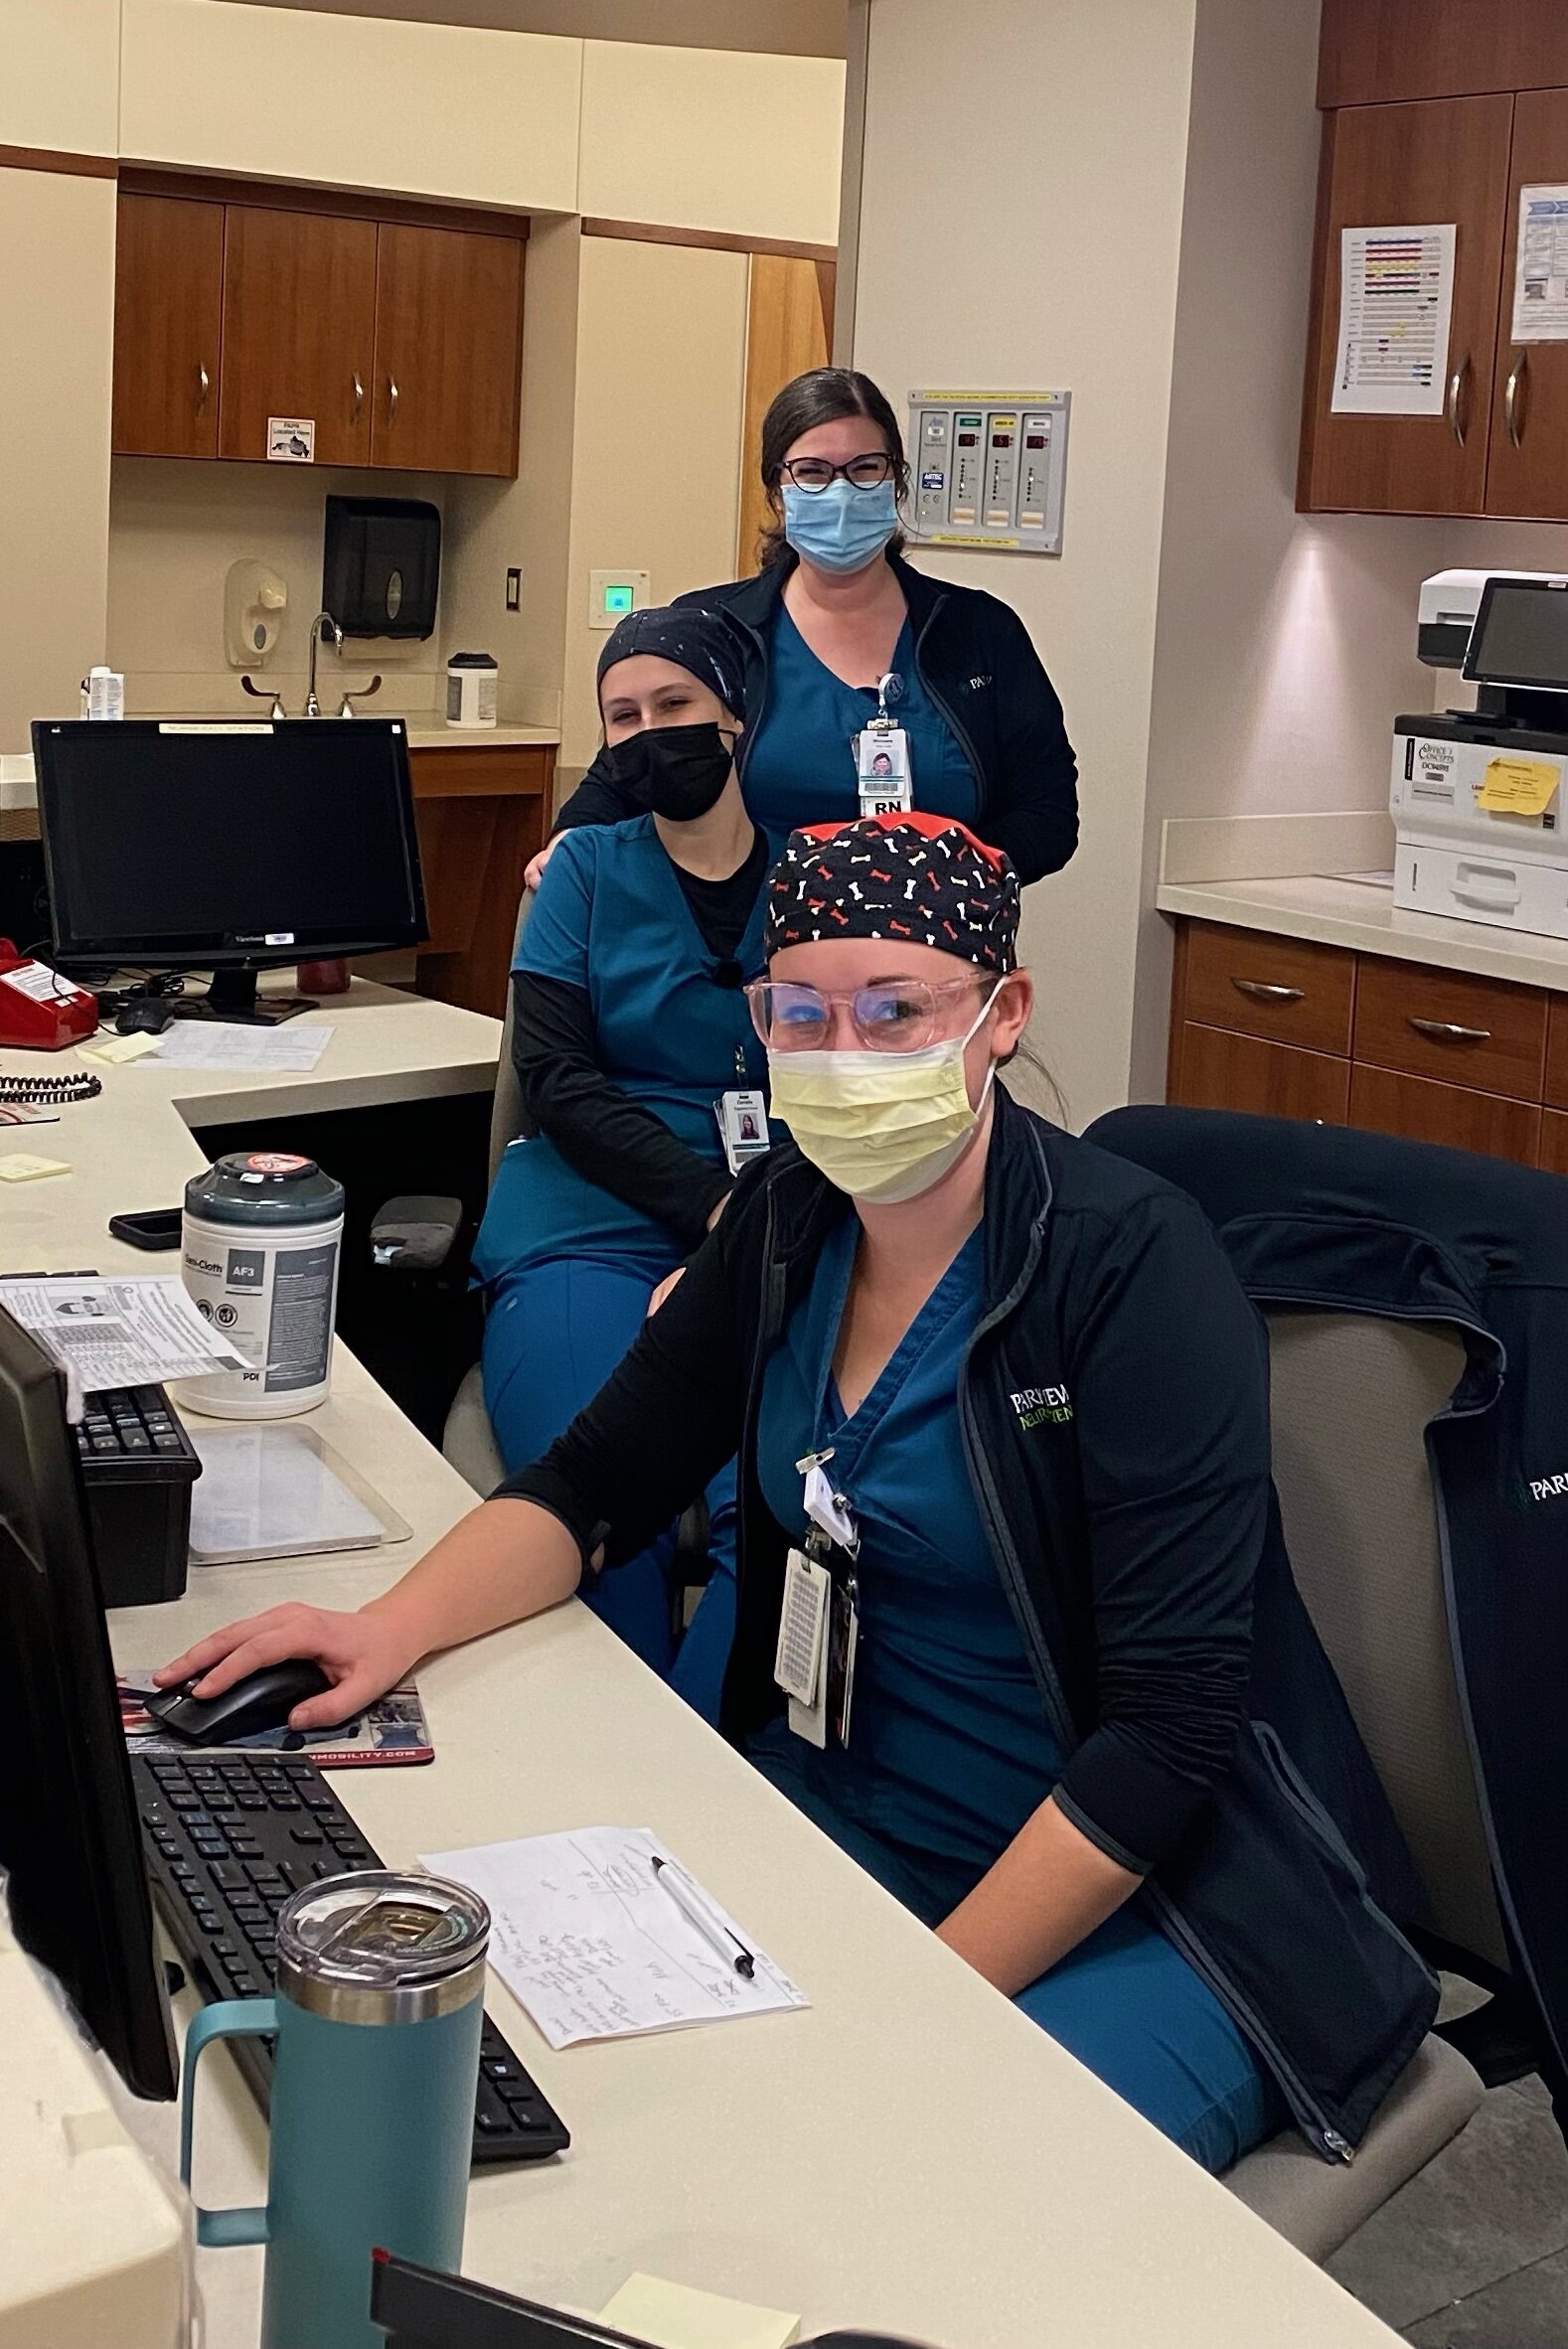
{"x":21,"y":1166}
{"x":113,"y":1050}
{"x":675,"y":2316}
{"x":1517,"y":786}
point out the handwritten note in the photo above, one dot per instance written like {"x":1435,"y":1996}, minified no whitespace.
{"x":1518,"y":786}
{"x":583,"y":1934}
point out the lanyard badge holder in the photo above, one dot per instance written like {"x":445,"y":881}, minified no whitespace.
{"x":882,"y":756}
{"x":820,"y":1619}
{"x":743,"y":1116}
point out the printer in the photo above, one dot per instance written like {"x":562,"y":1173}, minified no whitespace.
{"x":1478,"y":796}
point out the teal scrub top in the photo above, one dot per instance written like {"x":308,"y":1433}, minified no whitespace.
{"x":800,"y":765}
{"x":949,"y":1747}
{"x":611,"y":918}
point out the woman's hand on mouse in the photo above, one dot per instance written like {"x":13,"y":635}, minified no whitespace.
{"x":362,"y":1655}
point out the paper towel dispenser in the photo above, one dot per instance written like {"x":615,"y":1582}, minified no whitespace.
{"x":382,"y":566}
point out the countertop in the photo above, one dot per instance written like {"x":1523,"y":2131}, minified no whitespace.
{"x":1339,"y":911}
{"x":1203,"y":876}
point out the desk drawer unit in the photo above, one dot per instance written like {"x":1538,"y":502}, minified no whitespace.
{"x":1452,"y":1027}
{"x":1423,"y":1111}
{"x":1557,"y":1053}
{"x":1554,"y":1140}
{"x":1284,"y":989}
{"x":1220,"y":1071}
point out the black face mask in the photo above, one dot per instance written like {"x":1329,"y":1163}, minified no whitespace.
{"x":677,"y":772}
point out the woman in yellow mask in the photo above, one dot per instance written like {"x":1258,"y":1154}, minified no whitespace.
{"x":1005,"y":1533}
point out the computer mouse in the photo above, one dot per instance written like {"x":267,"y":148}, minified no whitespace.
{"x":264,"y":1700}
{"x":146,"y":1015}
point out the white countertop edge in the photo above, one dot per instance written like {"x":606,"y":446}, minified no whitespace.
{"x":1334,"y":912}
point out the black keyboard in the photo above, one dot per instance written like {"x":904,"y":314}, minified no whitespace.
{"x":228,"y":1839}
{"x":130,"y":1423}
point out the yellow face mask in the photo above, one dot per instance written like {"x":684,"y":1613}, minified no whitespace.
{"x":881,"y":1126}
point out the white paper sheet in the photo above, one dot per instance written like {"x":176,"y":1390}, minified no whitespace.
{"x":1540,"y":269}
{"x":1396,"y":301}
{"x":586,"y":1936}
{"x":140,"y":1332}
{"x":224,"y":1043}
{"x":266,"y":1492}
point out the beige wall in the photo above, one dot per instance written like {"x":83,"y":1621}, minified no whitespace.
{"x":56,"y":271}
{"x":436,"y":109}
{"x":1286,"y":642}
{"x":661,"y":357}
{"x":807,"y":28}
{"x":174,"y":529}
{"x":993,"y":258}
{"x":711,"y":139}
{"x":60,"y":72}
{"x":493,"y":525}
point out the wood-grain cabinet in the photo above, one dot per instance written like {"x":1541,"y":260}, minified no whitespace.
{"x":481,"y":810}
{"x":1439,"y":111}
{"x":400,"y":341}
{"x":1285,"y":1028}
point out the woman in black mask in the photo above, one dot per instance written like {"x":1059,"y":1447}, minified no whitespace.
{"x":640,"y":1072}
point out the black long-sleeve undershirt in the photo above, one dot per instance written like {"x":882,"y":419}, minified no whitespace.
{"x":566,"y":1095}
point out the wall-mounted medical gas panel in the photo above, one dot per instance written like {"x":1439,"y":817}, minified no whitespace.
{"x":987,"y":469}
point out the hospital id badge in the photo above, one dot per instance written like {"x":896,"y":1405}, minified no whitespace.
{"x":882,"y":767}
{"x":798,"y":1659}
{"x":742,"y":1128}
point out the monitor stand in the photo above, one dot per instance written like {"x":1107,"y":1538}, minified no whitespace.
{"x":232,"y":996}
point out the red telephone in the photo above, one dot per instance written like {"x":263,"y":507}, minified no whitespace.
{"x":39,"y":1009}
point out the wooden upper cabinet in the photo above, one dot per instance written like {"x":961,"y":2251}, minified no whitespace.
{"x":448,"y":341}
{"x":168,"y":325}
{"x":1372,"y":52}
{"x":299,"y":330}
{"x":1528,"y":462}
{"x":1389,"y":167}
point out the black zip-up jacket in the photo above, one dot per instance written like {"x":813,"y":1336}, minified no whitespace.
{"x":1115,"y":1421}
{"x":1348,"y":1222}
{"x":976,"y":662}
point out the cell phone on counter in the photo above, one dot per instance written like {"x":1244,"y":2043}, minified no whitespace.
{"x":159,"y":1227}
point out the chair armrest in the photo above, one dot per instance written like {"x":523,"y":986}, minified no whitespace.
{"x":416,"y":1233}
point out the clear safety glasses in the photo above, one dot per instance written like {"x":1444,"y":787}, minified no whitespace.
{"x":892,"y":1015}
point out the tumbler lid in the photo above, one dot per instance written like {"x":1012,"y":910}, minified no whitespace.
{"x":378,"y":1945}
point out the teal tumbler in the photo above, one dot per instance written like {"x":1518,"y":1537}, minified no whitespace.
{"x":377,"y":2016}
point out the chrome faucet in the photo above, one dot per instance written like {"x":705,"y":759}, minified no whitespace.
{"x":322,"y":624}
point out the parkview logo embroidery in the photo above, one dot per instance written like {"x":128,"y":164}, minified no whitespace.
{"x":1038,"y":1406}
{"x":1542,"y":1488}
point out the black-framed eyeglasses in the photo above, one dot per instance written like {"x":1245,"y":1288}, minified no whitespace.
{"x":815,"y":474}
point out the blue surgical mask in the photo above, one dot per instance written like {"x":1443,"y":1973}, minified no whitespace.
{"x":840,"y":527}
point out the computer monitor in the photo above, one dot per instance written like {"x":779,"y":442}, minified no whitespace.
{"x":227,"y":848}
{"x":70,"y":1841}
{"x":1521,"y":635}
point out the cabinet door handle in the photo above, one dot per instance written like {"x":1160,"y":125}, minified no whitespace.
{"x":1456,"y":384}
{"x":1449,"y":1031}
{"x":391,"y":400}
{"x":1514,"y":407}
{"x":358,"y":399}
{"x":203,"y":385}
{"x":1263,"y":990}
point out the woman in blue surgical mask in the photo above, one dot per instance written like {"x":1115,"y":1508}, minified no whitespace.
{"x":868,"y":685}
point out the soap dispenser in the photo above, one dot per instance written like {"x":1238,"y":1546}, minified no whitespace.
{"x":255,"y":599}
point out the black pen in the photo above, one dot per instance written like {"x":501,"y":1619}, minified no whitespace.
{"x":697,"y":1912}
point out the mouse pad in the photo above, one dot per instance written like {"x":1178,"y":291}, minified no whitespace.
{"x":390,"y":1731}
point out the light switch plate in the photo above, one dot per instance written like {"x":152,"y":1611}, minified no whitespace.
{"x":612,"y":594}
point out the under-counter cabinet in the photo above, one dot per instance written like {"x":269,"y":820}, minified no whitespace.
{"x":399,"y":339}
{"x":168,"y":326}
{"x":1282,"y":1027}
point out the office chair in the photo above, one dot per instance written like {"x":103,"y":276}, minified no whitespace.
{"x":419,"y":1235}
{"x":1351,"y":1396}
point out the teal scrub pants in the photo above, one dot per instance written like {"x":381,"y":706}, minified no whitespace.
{"x":554,"y":1333}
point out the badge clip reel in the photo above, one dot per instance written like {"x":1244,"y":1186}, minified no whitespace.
{"x":882,"y":756}
{"x":820,"y":1619}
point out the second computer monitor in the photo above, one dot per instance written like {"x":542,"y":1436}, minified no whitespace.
{"x":228,"y":847}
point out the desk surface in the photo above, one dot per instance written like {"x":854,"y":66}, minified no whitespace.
{"x":910,"y":2152}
